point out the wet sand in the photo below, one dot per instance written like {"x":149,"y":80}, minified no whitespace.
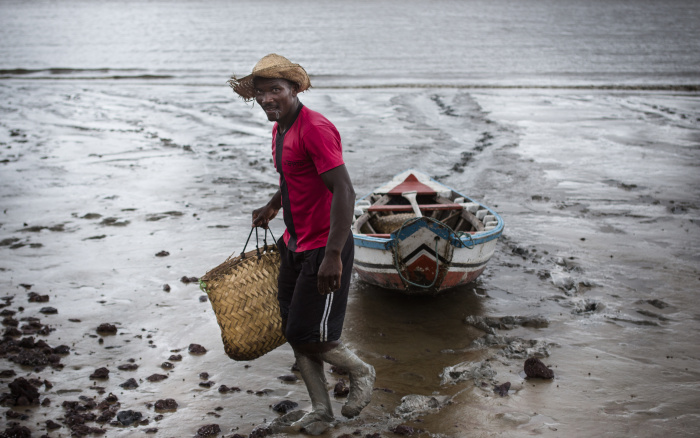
{"x":599,"y":191}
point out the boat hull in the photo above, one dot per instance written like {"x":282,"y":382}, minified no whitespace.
{"x":424,"y":255}
{"x":393,"y":266}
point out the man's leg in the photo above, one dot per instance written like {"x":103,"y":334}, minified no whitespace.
{"x":321,"y":416}
{"x":362,"y":377}
{"x":324,"y":344}
{"x":294,"y":317}
{"x":306,"y":310}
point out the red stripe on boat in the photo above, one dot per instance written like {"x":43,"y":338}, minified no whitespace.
{"x":410,"y":184}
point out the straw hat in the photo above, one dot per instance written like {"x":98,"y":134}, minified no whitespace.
{"x":272,"y":66}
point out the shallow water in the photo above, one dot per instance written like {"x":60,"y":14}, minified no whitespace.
{"x":599,"y":190}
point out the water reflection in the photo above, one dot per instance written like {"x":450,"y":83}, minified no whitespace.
{"x":410,"y":339}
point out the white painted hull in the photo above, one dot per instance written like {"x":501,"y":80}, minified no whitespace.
{"x":407,"y":259}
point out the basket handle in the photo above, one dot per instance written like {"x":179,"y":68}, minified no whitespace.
{"x":257,"y":242}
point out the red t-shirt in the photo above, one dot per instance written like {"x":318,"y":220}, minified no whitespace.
{"x":311,"y":147}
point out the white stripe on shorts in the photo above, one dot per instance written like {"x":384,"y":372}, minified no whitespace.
{"x":326,"y":315}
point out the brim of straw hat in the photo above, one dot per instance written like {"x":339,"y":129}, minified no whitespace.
{"x":291,"y":72}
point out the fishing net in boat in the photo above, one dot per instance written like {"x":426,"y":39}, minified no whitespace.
{"x":390,"y":223}
{"x":243,"y":294}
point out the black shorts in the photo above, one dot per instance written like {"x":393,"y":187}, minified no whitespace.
{"x":308,"y":316}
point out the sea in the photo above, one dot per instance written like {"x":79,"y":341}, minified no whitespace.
{"x":129,"y":167}
{"x":508,"y":43}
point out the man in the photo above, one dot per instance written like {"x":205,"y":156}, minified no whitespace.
{"x":317,"y":251}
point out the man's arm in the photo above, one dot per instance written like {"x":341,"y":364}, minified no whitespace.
{"x":263,"y":215}
{"x":337,"y":180}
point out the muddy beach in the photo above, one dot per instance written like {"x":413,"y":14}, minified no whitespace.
{"x":114,"y":200}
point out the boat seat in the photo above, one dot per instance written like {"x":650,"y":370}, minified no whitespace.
{"x":388,"y":236}
{"x":408,"y":208}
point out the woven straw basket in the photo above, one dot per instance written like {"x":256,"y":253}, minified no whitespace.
{"x":243,"y":294}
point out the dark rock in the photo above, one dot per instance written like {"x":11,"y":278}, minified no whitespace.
{"x":41,"y":344}
{"x":166,"y":287}
{"x":107,"y":329}
{"x":175,"y":357}
{"x":12,"y":332}
{"x":31,"y":358}
{"x":208,"y":430}
{"x":502,"y":390}
{"x":151,"y":430}
{"x":521,"y":251}
{"x":341,"y":389}
{"x":284,"y":406}
{"x":100,"y":373}
{"x":107,"y":403}
{"x":27,"y":342}
{"x":156,"y":377}
{"x":17,"y":431}
{"x":82,"y":430}
{"x":14,"y":415}
{"x":51,"y":425}
{"x":167,"y":366}
{"x":224,"y":389}
{"x":260,"y":432}
{"x":288,"y":378}
{"x":10,"y":321}
{"x":203,"y":299}
{"x":130,"y":384}
{"x":534,"y":368}
{"x":111,"y":398}
{"x":204,"y":376}
{"x":128,"y":417}
{"x":107,"y":415}
{"x":403,"y":430}
{"x":34,"y":325}
{"x":5,"y":374}
{"x":23,"y":393}
{"x":36,"y":298}
{"x":207,"y":384}
{"x":168,"y":404}
{"x":128,"y":367}
{"x":61,"y":349}
{"x":162,"y":254}
{"x":48,"y":310}
{"x":196,"y":349}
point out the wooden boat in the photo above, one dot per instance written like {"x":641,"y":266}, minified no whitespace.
{"x":419,"y":236}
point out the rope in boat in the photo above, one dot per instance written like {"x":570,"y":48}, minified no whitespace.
{"x":453,"y":235}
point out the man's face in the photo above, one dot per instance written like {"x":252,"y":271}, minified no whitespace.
{"x":277,"y":97}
